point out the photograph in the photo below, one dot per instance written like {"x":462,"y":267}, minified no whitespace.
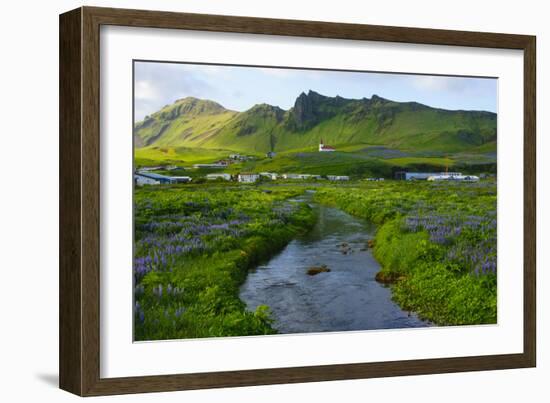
{"x":273,"y":200}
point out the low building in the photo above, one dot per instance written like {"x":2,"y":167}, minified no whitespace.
{"x":450,"y":178}
{"x":181,"y":179}
{"x":149,"y":169}
{"x":271,"y":175}
{"x":411,"y":176}
{"x":301,"y":176}
{"x":338,"y":178}
{"x":214,"y":165}
{"x":213,"y":177}
{"x":239,"y":157}
{"x":150,"y":178}
{"x":248,"y":178}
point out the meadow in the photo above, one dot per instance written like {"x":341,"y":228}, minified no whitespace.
{"x":193,"y":247}
{"x":436,"y":243}
{"x":194,"y":244}
{"x":364,"y":160}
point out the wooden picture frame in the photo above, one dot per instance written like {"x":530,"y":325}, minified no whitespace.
{"x":79,"y":346}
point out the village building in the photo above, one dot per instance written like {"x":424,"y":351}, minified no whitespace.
{"x":447,"y":177}
{"x":144,"y":178}
{"x":411,"y":176}
{"x":239,"y":157}
{"x":150,"y":178}
{"x":181,"y":179}
{"x":149,"y":169}
{"x":248,"y":178}
{"x":271,"y":175}
{"x":214,"y":165}
{"x":212,"y":177}
{"x":301,"y":176}
{"x":338,"y":178}
{"x":325,"y":148}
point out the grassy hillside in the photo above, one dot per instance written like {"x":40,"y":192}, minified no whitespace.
{"x":186,"y":122}
{"x":154,"y":155}
{"x":194,"y":123}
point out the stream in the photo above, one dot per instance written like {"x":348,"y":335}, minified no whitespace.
{"x":346,"y":298}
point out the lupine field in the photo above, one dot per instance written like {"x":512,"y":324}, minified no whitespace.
{"x":193,"y":247}
{"x":194,"y":244}
{"x":436,"y":243}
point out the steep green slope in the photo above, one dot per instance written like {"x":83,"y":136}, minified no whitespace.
{"x":254,"y":130}
{"x":186,"y":122}
{"x":336,"y":120}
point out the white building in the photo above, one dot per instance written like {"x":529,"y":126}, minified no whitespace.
{"x":212,"y":177}
{"x":248,"y":178}
{"x":410,"y":176}
{"x":181,"y":179}
{"x":240,"y":157}
{"x":337,"y":178}
{"x":215,"y":165}
{"x":141,"y":179}
{"x":150,"y":178}
{"x":325,"y":148}
{"x":461,"y":178}
{"x":271,"y":175}
{"x":301,"y":176}
{"x":149,"y":169}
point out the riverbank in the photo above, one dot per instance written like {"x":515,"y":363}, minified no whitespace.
{"x":435,"y":242}
{"x":193,"y":249}
{"x":324,"y":280}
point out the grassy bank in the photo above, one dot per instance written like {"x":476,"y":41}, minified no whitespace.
{"x":193,"y":247}
{"x":436,"y":244}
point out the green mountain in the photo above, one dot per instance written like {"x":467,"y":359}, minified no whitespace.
{"x":195,"y":123}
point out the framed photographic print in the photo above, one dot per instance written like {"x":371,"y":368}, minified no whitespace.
{"x":249,"y":201}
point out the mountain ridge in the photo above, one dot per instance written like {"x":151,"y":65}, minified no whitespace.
{"x":193,"y":122}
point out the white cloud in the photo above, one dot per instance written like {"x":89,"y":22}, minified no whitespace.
{"x":439,"y":83}
{"x":146,"y":91}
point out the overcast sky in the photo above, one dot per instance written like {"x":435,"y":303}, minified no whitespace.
{"x":240,"y":88}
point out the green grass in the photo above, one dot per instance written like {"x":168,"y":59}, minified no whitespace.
{"x":359,"y":162}
{"x":194,"y":245}
{"x":408,"y":161}
{"x":436,"y":242}
{"x":150,"y":156}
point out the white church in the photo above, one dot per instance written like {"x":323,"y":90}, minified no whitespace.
{"x":325,"y":148}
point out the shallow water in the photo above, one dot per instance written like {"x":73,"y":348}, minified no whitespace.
{"x":346,"y":298}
